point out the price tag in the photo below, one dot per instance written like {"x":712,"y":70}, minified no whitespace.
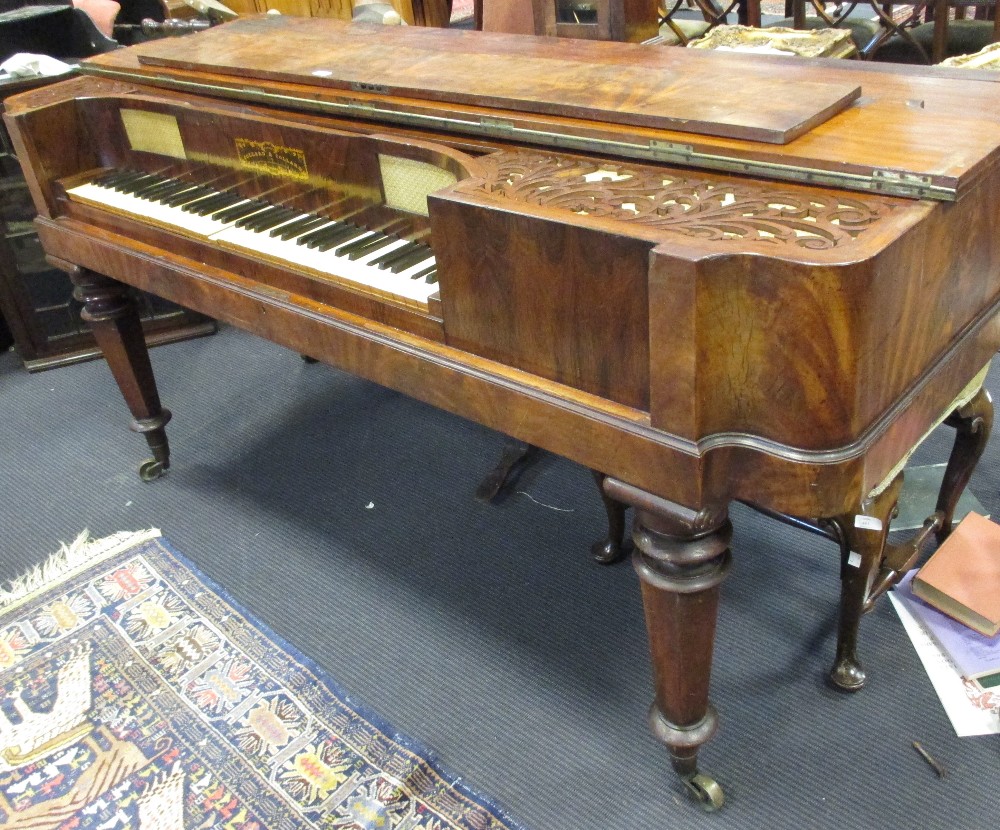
{"x":854,"y":559}
{"x":867,"y":523}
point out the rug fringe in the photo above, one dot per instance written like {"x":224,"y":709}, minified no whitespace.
{"x":81,"y":553}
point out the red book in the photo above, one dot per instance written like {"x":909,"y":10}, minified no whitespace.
{"x":962,"y":577}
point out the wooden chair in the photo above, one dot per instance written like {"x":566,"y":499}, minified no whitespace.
{"x":676,"y":27}
{"x":934,"y":36}
{"x":924,"y":35}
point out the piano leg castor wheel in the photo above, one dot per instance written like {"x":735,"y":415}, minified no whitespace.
{"x":705,"y":790}
{"x":151,"y":469}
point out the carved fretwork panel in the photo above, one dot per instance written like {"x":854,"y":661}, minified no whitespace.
{"x":715,"y":209}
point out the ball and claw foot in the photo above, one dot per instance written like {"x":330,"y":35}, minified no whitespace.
{"x":151,"y":469}
{"x":847,"y":675}
{"x":705,"y":790}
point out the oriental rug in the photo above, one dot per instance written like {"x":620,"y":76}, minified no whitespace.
{"x":136,"y":694}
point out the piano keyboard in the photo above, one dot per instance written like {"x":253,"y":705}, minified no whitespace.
{"x":389,"y":264}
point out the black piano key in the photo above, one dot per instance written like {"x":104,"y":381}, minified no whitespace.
{"x":326,"y":238}
{"x":388,"y":259}
{"x":340,"y":238}
{"x":141,"y":182}
{"x":372,"y":247}
{"x":416,"y":253}
{"x":208,"y":204}
{"x":355,"y":244}
{"x":241,"y":210}
{"x":426,"y":273}
{"x":259,"y":216}
{"x":163,"y":191}
{"x":131,"y":176}
{"x":113,"y":179}
{"x":152,"y":185}
{"x":343,"y":235}
{"x":407,"y":263}
{"x":319,"y":234}
{"x":108,"y":176}
{"x":267,"y":219}
{"x":432,"y":277}
{"x":181,"y":196}
{"x":299,"y":227}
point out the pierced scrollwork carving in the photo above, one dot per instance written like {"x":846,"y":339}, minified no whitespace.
{"x":715,"y":209}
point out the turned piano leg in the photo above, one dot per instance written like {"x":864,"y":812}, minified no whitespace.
{"x":681,"y":558}
{"x":973,"y":424}
{"x":111,"y":314}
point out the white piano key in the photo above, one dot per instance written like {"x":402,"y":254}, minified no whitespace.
{"x":358,"y":271}
{"x":327,"y":262}
{"x":203,"y":226}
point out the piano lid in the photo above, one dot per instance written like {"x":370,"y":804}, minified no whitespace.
{"x":915,"y":131}
{"x":484,"y":70}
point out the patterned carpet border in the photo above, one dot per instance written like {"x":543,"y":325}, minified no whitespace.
{"x":136,"y":693}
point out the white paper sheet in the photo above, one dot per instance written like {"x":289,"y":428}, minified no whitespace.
{"x":966,"y":717}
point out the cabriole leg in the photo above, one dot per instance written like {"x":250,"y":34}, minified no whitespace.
{"x":110,"y":312}
{"x":863,"y":533}
{"x":611,"y":549}
{"x":973,"y":424}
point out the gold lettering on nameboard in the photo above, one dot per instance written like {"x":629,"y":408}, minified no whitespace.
{"x":265,"y":157}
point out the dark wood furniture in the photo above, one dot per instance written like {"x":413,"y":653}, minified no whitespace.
{"x":36,"y":299}
{"x":927,"y":43}
{"x":607,"y":288}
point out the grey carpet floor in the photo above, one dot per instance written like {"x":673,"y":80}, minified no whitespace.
{"x":343,"y":515}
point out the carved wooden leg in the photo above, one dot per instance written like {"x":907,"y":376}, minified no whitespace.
{"x":863,"y":534}
{"x":681,"y":558}
{"x":611,"y":548}
{"x":110,"y":312}
{"x":973,"y":423}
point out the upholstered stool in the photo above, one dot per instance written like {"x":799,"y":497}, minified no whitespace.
{"x":806,"y":43}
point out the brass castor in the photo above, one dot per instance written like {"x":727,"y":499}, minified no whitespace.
{"x":151,"y":469}
{"x":706,"y":790}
